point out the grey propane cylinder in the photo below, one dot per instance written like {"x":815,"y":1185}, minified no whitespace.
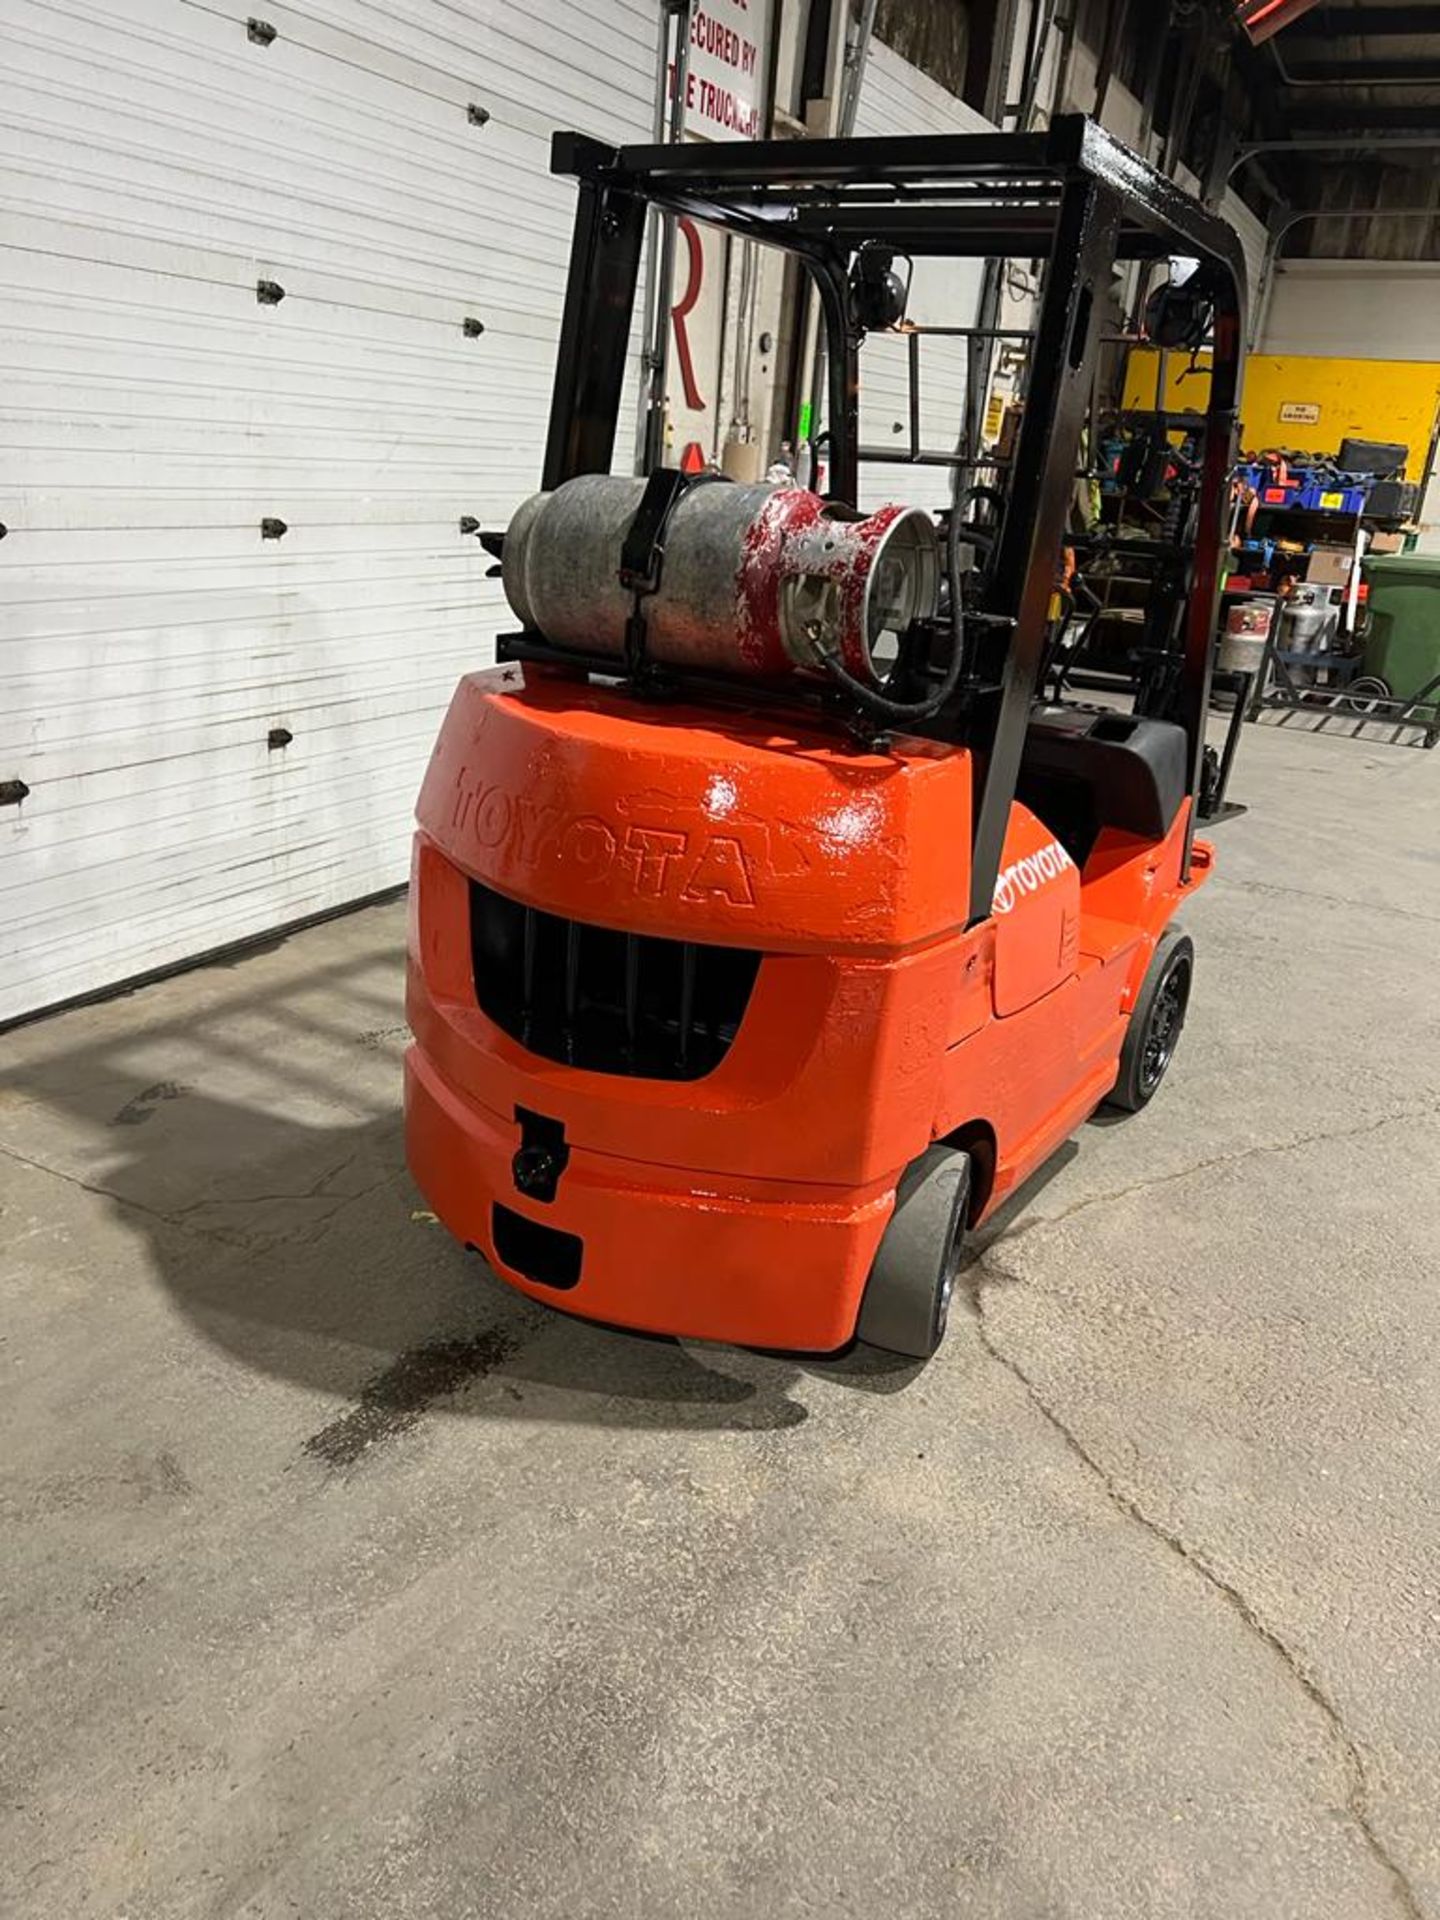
{"x":756,"y":579}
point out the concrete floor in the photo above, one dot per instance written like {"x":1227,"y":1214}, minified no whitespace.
{"x":338,"y":1581}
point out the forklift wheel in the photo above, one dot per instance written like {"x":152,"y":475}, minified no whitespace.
{"x":907,"y":1297}
{"x":1155,"y":1022}
{"x":1363,"y":695}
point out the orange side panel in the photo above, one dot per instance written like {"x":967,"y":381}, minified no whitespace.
{"x":974,"y":983}
{"x":1137,"y":883}
{"x":1037,"y":914}
{"x":1035,"y":1076}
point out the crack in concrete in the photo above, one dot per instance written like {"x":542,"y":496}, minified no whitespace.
{"x":217,"y":1235}
{"x":1232,"y":1157}
{"x":1332,"y":899}
{"x":318,"y":1189}
{"x":1357,"y":1796}
{"x":230,"y":1237}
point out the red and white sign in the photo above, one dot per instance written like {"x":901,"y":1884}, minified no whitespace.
{"x":727,"y":60}
{"x":697,"y":321}
{"x":725,"y":84}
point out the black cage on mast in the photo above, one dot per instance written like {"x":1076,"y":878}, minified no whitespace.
{"x":1072,"y":197}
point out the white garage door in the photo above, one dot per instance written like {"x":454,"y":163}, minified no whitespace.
{"x":384,"y":165}
{"x":897,"y":98}
{"x":1251,"y":230}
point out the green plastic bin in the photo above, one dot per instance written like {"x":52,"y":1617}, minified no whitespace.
{"x":1402,"y":647}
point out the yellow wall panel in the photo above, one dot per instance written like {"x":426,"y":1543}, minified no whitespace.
{"x":1358,"y":399}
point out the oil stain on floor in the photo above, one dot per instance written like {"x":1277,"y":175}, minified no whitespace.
{"x":394,"y":1400}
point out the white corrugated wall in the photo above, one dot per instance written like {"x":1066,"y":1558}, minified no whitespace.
{"x":158,"y":161}
{"x":386,"y":166}
{"x":897,"y":98}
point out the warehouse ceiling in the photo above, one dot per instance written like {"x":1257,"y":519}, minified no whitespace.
{"x":1326,"y":116}
{"x":1350,"y":97}
{"x":1374,"y":65}
{"x":1262,"y":18}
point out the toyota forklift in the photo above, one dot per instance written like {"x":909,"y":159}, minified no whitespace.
{"x":769,"y":926}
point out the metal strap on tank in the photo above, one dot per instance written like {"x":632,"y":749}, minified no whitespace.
{"x":642,"y":556}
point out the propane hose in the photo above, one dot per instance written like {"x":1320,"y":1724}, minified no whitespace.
{"x":880,"y":704}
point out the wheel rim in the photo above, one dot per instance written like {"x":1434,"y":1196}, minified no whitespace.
{"x":949,"y":1272}
{"x":1366,"y":693}
{"x":942,"y":1304}
{"x":1167,"y":1016}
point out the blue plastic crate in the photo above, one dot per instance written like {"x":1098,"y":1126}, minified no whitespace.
{"x":1329,"y":497}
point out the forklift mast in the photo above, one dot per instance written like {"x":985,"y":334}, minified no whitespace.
{"x":1071,"y":197}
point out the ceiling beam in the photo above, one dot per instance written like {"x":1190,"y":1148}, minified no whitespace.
{"x":1323,"y":145}
{"x":1330,"y":22}
{"x":1352,"y":70}
{"x":1337,"y":142}
{"x":1341,"y":118}
{"x":1261,"y":20}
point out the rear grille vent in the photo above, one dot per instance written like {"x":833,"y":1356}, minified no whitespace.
{"x":610,"y":1002}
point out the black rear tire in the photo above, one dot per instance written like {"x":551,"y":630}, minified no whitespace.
{"x":1156,"y":1022}
{"x":907,"y":1297}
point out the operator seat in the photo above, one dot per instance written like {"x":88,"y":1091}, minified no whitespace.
{"x":1086,"y":768}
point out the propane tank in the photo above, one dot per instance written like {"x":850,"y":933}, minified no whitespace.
{"x":756,"y":579}
{"x":1308,"y":621}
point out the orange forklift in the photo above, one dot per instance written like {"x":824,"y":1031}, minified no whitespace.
{"x":768,"y":927}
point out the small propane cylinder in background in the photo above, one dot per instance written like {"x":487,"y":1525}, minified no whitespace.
{"x":1242,"y":640}
{"x":756,"y":579}
{"x":1308,"y":623}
